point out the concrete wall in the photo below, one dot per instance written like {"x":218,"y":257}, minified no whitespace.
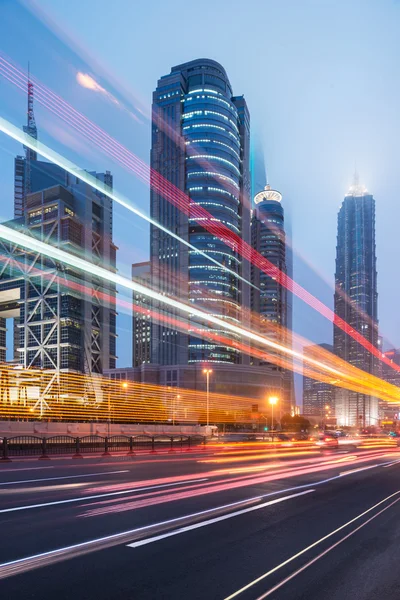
{"x":13,"y":428}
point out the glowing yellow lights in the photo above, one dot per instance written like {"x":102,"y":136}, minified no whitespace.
{"x":35,"y":393}
{"x":207,"y":371}
{"x":273,"y":400}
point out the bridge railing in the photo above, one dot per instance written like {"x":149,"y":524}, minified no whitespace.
{"x":44,"y":448}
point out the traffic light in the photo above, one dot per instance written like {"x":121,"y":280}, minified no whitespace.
{"x":265,"y":428}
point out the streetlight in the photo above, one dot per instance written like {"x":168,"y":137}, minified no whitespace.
{"x":173,"y":407}
{"x":272,"y":400}
{"x":207,"y":373}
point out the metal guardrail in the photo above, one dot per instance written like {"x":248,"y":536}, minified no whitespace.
{"x":44,"y":448}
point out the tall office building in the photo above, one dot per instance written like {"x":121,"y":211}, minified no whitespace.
{"x":63,"y":320}
{"x":355,"y":299}
{"x":142,"y":325}
{"x":200,"y":144}
{"x":268,"y":298}
{"x":388,"y":410}
{"x":200,"y":189}
{"x":317,"y":395}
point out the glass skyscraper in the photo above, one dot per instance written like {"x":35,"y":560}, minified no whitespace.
{"x":356,"y":299}
{"x":200,"y":145}
{"x":269,"y":299}
{"x":317,"y":395}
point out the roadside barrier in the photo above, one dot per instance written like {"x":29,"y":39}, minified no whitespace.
{"x":45,"y":448}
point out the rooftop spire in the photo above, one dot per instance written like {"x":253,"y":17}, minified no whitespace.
{"x":356,"y":178}
{"x":30,"y":127}
{"x":356,"y":189}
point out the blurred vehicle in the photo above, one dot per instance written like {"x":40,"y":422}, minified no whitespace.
{"x":325,"y":440}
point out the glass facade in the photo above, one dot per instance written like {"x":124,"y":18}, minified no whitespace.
{"x":200,"y":145}
{"x":268,"y":238}
{"x":212,"y":142}
{"x":356,"y":299}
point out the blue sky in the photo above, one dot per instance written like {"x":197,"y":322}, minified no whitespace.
{"x":321,"y":80}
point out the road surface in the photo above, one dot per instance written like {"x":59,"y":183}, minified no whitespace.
{"x":212,"y":524}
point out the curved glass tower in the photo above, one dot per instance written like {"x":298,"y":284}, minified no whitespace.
{"x":269,"y":299}
{"x":204,"y":152}
{"x":268,"y":238}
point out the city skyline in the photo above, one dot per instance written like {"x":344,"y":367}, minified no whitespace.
{"x":314,"y":187}
{"x":199,"y":324}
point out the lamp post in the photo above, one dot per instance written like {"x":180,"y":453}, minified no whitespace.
{"x":207,"y":373}
{"x":173,"y":408}
{"x":272,"y":400}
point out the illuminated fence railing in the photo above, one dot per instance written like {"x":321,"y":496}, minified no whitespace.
{"x":34,"y":393}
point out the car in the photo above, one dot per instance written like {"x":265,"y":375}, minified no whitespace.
{"x":324,"y":440}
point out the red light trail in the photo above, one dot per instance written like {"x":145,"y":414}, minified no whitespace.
{"x":160,"y":185}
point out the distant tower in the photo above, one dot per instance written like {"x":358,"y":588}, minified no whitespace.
{"x":268,"y":298}
{"x":141,"y":330}
{"x":356,"y":299}
{"x":317,"y":395}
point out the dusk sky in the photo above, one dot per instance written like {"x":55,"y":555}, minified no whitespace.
{"x":321,"y":80}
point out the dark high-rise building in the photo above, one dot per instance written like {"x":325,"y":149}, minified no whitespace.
{"x":388,"y":410}
{"x":355,"y":299}
{"x":317,"y":395}
{"x":63,"y":320}
{"x":200,"y":144}
{"x":141,"y":316}
{"x":268,"y":298}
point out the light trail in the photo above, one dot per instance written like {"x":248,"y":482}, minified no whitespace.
{"x":93,"y":497}
{"x":277,"y":333}
{"x":19,"y":482}
{"x":93,"y":132}
{"x":184,"y":203}
{"x":44,"y":559}
{"x":31,"y":243}
{"x":128,"y":504}
{"x":53,"y":252}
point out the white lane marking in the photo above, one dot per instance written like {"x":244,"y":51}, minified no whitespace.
{"x":391,"y":463}
{"x":316,"y":543}
{"x":30,"y":562}
{"x":82,"y":498}
{"x":322,"y":554}
{"x":215,"y":520}
{"x":8,"y":470}
{"x":64,"y":477}
{"x":358,"y":470}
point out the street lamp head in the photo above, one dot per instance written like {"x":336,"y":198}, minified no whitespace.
{"x":327,"y":407}
{"x":205,"y":371}
{"x":273,"y":399}
{"x":125,"y":385}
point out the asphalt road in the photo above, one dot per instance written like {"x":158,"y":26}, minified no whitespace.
{"x":216,"y":524}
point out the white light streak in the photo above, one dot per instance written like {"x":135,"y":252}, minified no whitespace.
{"x":56,"y":158}
{"x":21,"y":239}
